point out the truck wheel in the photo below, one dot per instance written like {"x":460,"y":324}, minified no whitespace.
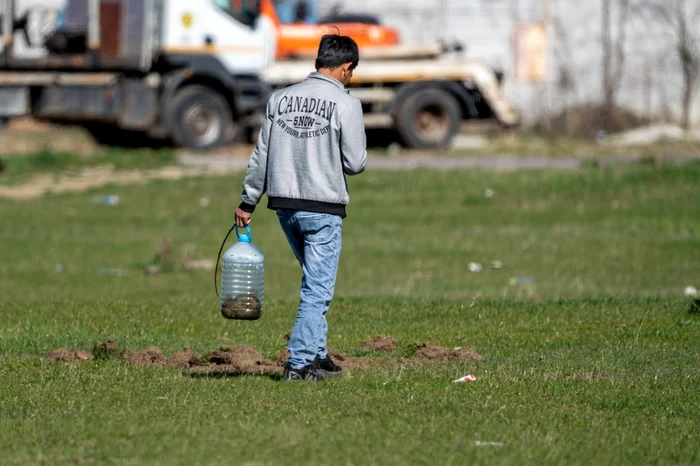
{"x":428,"y":119}
{"x":200,"y":118}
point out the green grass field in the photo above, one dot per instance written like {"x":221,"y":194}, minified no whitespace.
{"x":590,"y":356}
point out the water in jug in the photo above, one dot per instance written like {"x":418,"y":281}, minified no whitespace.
{"x":243,"y":279}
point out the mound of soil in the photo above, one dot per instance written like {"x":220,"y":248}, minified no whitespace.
{"x":338,"y":355}
{"x":149,"y":357}
{"x":466,"y":354}
{"x":110,"y":345}
{"x":379,"y":343}
{"x":283,"y":358}
{"x":185,"y":358}
{"x":64,"y":355}
{"x":352,"y":363}
{"x":107,"y":350}
{"x":428,"y":352}
{"x":239,"y":358}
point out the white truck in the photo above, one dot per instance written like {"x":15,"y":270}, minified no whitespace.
{"x":199,"y":73}
{"x":178,"y":69}
{"x":424,"y":93}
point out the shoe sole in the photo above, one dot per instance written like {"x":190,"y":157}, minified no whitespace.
{"x":328,"y":375}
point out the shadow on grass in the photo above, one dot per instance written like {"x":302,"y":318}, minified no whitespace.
{"x":694,"y":308}
{"x":230,"y":375}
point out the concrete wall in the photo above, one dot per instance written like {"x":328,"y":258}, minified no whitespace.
{"x":651,"y":82}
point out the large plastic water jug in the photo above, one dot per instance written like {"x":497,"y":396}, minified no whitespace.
{"x":243,"y":279}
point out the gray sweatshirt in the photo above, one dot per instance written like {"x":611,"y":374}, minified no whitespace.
{"x":312,"y":137}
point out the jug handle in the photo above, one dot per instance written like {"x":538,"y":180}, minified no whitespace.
{"x":245,"y":238}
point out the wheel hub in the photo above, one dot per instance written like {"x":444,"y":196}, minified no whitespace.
{"x":432,"y":122}
{"x":202,"y":124}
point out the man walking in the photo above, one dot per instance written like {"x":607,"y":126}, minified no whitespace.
{"x":313,"y":136}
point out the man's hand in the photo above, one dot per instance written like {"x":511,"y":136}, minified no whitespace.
{"x":242,"y":218}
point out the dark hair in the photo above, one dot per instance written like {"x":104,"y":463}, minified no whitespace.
{"x":336,"y":50}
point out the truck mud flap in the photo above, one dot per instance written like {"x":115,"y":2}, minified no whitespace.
{"x":139,"y":105}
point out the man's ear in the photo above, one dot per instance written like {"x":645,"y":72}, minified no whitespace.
{"x":346,"y":68}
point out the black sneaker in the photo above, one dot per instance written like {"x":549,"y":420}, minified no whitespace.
{"x":326,"y":368}
{"x":307,"y":373}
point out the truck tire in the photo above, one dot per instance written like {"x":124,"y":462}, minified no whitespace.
{"x":428,"y":119}
{"x":200,"y":118}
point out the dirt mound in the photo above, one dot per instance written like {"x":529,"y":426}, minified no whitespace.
{"x":283,"y":358}
{"x":64,"y":355}
{"x":337,"y":355}
{"x":107,"y":350}
{"x":240,"y":358}
{"x":110,"y":345}
{"x":353,"y":363}
{"x":185,"y":358}
{"x":428,"y":352}
{"x":379,"y":343}
{"x":466,"y":354}
{"x":149,"y":357}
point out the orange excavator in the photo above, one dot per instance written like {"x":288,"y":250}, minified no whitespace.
{"x":300,"y":28}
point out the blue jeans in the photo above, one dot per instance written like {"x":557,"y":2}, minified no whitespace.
{"x":315,"y":241}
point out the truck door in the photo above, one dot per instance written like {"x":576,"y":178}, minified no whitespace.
{"x":241,"y":37}
{"x":233,"y":31}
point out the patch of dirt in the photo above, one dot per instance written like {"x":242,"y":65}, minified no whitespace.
{"x":110,"y":345}
{"x":185,"y":358}
{"x":96,"y":177}
{"x":428,"y":352}
{"x":353,"y":363}
{"x":242,"y":359}
{"x":64,"y":355}
{"x":149,"y":357}
{"x":379,"y":343}
{"x":283,"y":358}
{"x":107,"y":350}
{"x":466,"y":354}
